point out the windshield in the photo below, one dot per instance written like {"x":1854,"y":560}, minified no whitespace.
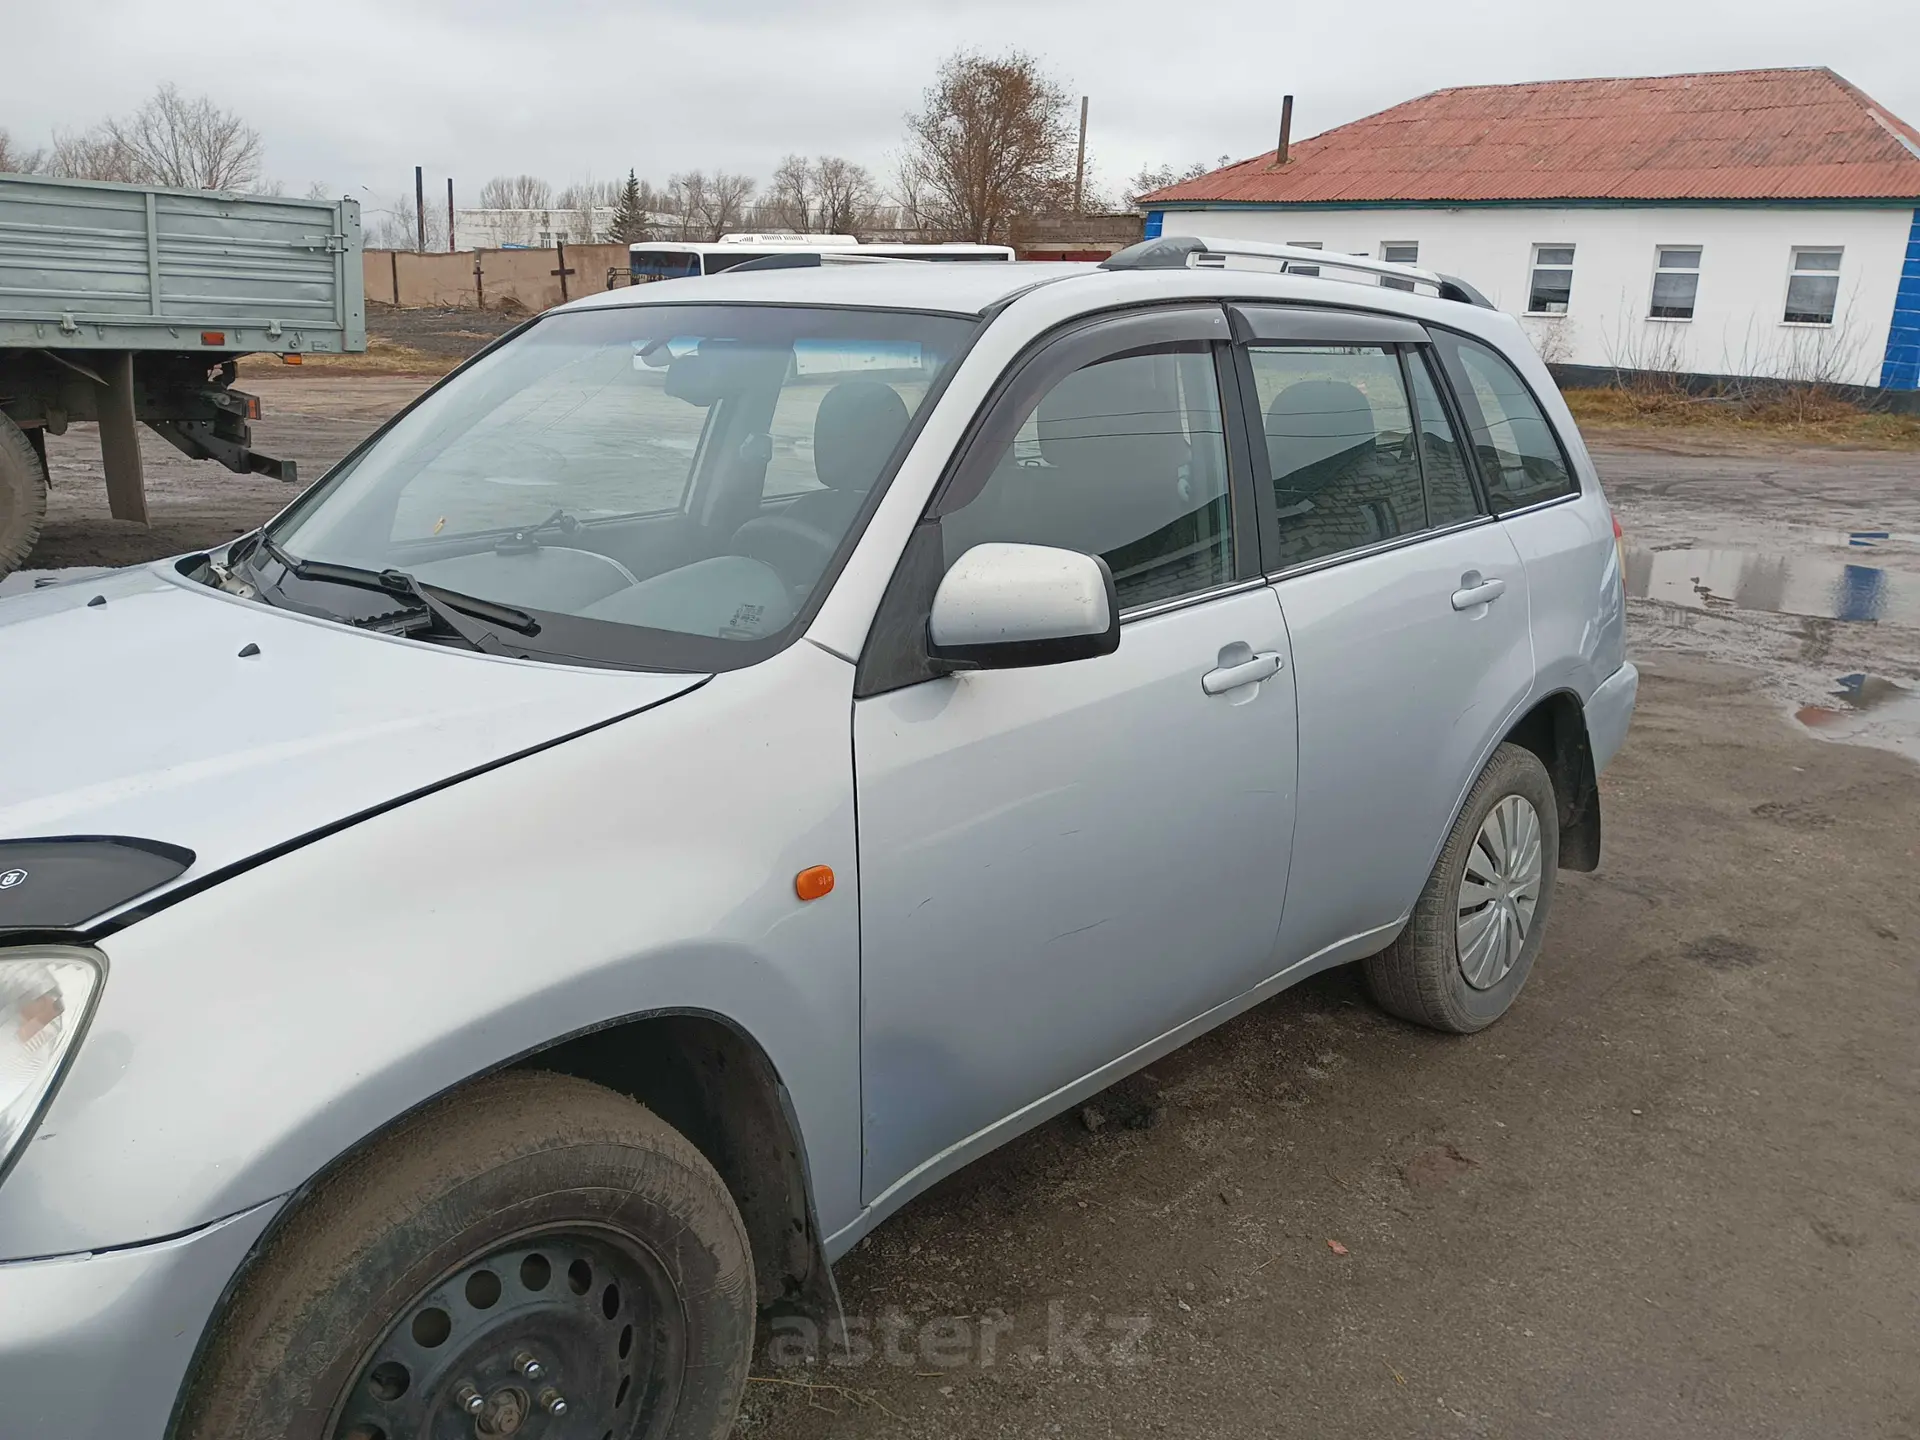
{"x":657,"y":485}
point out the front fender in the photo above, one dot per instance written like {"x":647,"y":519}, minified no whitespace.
{"x":250,"y":1034}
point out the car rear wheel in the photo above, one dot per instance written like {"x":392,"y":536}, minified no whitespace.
{"x":23,"y":496}
{"x":1474,"y":933}
{"x":536,"y":1257}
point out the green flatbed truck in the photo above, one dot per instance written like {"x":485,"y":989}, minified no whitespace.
{"x":131,"y":304}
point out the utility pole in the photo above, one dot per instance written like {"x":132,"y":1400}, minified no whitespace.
{"x":420,"y":207}
{"x":1080,"y":165}
{"x":450,"y":245}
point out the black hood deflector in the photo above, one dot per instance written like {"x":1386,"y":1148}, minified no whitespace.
{"x":62,"y":881}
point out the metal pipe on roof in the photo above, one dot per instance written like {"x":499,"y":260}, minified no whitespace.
{"x":1286,"y":130}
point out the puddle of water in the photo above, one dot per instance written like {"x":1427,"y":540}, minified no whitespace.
{"x":1780,"y":584}
{"x":21,"y":582}
{"x":1873,"y":710}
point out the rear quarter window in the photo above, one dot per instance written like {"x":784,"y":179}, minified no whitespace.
{"x":1521,"y":458}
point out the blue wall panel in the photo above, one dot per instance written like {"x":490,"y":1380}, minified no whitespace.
{"x":1902,"y":368}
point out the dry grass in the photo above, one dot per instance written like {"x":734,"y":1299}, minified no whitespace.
{"x":1806,"y":415}
{"x":382,"y":357}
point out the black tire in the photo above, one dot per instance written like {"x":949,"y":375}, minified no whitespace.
{"x":501,"y":1182}
{"x":23,"y":496}
{"x":1419,"y":977}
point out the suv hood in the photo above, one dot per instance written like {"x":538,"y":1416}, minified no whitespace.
{"x":135,"y":714}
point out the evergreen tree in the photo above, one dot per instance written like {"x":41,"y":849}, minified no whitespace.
{"x":630,"y":216}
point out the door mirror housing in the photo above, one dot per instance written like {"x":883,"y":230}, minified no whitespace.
{"x":1004,"y":607}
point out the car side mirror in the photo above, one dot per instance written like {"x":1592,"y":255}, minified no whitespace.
{"x":1003,"y":607}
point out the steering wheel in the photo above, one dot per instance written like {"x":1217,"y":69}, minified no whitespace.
{"x":794,"y":550}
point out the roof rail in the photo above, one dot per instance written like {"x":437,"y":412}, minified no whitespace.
{"x":1188,"y":252}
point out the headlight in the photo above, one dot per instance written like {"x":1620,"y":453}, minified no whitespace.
{"x":44,"y":999}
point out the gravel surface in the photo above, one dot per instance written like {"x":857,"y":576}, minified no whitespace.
{"x":1676,"y":1192}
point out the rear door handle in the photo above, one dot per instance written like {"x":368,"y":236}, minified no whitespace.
{"x":1481,"y":593}
{"x":1231,"y":676}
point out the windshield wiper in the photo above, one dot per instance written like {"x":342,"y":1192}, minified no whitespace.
{"x":444,"y":606}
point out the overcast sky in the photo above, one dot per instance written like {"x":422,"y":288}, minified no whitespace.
{"x":354,"y":93}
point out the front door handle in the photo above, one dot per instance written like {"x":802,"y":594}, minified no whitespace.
{"x":1240,"y":665}
{"x":1475,"y":591}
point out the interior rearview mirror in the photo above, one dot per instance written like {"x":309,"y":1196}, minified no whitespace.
{"x":1004,"y":606}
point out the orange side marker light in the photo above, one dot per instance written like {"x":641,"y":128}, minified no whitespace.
{"x":814,"y":882}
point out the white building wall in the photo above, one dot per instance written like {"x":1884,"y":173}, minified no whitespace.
{"x":1737,"y":327}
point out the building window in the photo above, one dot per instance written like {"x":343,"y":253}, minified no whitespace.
{"x":1813,"y":287}
{"x":1552,"y":286}
{"x":1399,"y":252}
{"x":1293,"y":269}
{"x":1676,"y":281}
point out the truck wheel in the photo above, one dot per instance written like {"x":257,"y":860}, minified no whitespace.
{"x":536,"y":1254}
{"x":23,"y":496}
{"x":1474,"y":932}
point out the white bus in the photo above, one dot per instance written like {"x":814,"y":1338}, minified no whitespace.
{"x":675,"y":259}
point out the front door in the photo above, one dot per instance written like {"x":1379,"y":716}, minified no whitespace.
{"x":1060,"y":865}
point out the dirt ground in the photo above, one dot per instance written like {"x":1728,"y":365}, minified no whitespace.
{"x":1676,"y":1192}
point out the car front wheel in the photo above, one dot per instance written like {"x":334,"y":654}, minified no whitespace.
{"x":535,"y":1256}
{"x":1475,"y":931}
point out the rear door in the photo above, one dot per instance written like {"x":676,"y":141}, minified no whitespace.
{"x":1406,"y":607}
{"x":1564,"y":536}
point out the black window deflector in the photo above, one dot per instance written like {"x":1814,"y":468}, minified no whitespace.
{"x":1306,"y":325}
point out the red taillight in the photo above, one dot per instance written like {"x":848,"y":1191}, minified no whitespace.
{"x":1620,"y":545}
{"x":1616,"y":528}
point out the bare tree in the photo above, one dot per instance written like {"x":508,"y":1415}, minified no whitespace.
{"x":993,"y":141}
{"x":516,"y":192}
{"x":790,"y":199}
{"x":92,"y":155}
{"x":399,"y":228}
{"x":908,"y":196}
{"x":710,"y":205}
{"x":589,"y":194}
{"x":171,"y":140}
{"x":1152,"y":178}
{"x":318,"y":191}
{"x":16,"y":159}
{"x":846,"y":196}
{"x":193,"y":144}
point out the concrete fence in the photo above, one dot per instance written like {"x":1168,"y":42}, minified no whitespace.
{"x":490,"y":279}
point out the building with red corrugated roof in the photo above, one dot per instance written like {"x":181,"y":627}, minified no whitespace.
{"x":1755,"y":222}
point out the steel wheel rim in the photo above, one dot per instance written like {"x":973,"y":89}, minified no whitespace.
{"x":1499,"y":892}
{"x":592,"y":1309}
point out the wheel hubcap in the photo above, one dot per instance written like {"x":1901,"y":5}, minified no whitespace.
{"x":553,"y":1337}
{"x":1499,"y":892}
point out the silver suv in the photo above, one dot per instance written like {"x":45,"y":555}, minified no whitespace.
{"x":730,"y":755}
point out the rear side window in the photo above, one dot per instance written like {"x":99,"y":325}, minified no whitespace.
{"x":1450,"y":499}
{"x":1340,"y":447}
{"x":1520,"y":457}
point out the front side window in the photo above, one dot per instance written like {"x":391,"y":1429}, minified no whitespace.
{"x":1125,"y":459}
{"x":657,"y":471}
{"x":1676,"y":281}
{"x":1399,"y":252}
{"x":1550,"y":290}
{"x":1813,"y":287}
{"x":1520,"y":457}
{"x":1340,"y":448}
